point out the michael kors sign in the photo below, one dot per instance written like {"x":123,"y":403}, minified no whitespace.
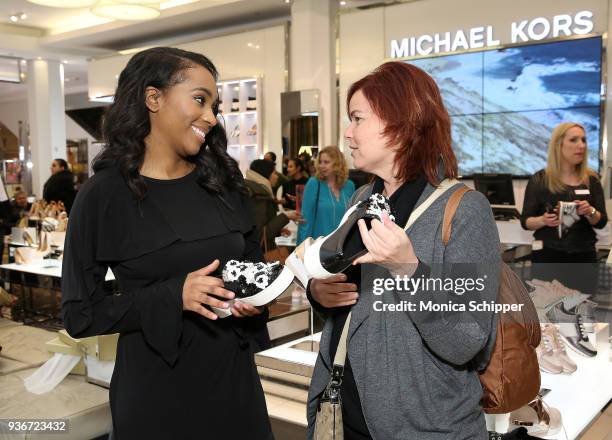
{"x":484,"y":36}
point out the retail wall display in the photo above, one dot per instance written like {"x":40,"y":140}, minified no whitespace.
{"x":505,"y":103}
{"x":78,"y":159}
{"x":240,"y":112}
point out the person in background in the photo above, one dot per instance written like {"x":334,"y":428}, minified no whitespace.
{"x":566,"y":178}
{"x":259,"y":180}
{"x":19,"y":207}
{"x":297,"y":176}
{"x":60,"y":186}
{"x":309,"y":165}
{"x":280,"y":178}
{"x":326,"y":195}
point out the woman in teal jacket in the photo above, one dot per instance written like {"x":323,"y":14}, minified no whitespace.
{"x":326,"y":195}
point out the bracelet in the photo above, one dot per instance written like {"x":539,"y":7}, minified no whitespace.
{"x":592,"y":213}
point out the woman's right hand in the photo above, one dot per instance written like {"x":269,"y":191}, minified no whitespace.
{"x":198,"y":288}
{"x":333,"y":291}
{"x":550,"y":219}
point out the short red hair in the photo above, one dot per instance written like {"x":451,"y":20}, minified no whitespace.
{"x":409,"y":102}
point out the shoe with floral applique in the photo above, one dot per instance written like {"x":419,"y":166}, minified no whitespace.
{"x":256,"y":284}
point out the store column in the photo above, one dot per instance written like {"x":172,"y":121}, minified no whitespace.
{"x":46,"y":117}
{"x":313,"y":59}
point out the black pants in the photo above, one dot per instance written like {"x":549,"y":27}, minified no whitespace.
{"x":574,"y":270}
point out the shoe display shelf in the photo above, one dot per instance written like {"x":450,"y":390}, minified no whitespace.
{"x":580,"y":396}
{"x":240,"y":111}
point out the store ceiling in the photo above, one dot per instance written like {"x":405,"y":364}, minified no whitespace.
{"x":78,"y":30}
{"x":75,"y":35}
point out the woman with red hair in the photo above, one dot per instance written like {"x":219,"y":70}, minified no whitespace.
{"x":410,"y":372}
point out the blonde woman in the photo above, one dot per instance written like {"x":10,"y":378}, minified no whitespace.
{"x":566,"y":178}
{"x":326,"y":195}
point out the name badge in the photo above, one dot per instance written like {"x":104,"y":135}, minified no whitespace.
{"x":582,"y":192}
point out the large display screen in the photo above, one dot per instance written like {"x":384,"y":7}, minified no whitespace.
{"x":505,"y":103}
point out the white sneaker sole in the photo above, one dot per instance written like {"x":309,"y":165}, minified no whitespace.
{"x":312,"y":261}
{"x":269,"y":294}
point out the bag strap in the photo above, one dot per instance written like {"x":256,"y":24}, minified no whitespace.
{"x":314,"y":220}
{"x":444,"y":186}
{"x":340,"y":357}
{"x":449,"y":212}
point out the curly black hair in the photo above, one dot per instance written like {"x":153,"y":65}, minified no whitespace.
{"x":126,"y":122}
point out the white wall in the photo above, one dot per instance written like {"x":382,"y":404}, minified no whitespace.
{"x":11,"y":112}
{"x":365,"y":36}
{"x":234,"y":59}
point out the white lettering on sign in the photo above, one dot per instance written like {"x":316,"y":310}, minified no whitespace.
{"x":478,"y":37}
{"x":585,"y":20}
{"x":538,"y":29}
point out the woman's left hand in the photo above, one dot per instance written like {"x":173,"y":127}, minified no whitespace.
{"x":244,"y":310}
{"x":387,"y":244}
{"x":583,"y":207}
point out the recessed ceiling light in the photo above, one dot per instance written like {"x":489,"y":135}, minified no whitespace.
{"x":14,"y":18}
{"x":65,"y":3}
{"x":39,"y":58}
{"x":287,"y":1}
{"x":126,"y":11}
{"x":23,"y":16}
{"x":342,"y":3}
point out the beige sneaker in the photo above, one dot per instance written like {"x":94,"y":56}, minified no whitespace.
{"x":539,"y":418}
{"x":569,"y":366}
{"x":547,"y":355}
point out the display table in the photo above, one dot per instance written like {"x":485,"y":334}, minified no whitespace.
{"x":49,"y":268}
{"x":289,"y":317}
{"x":28,"y":277}
{"x":83,"y":405}
{"x":511,"y":233}
{"x":581,"y":396}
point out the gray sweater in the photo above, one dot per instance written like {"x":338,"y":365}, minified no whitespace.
{"x":416,"y":372}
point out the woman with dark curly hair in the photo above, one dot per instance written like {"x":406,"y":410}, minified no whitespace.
{"x":166,"y":207}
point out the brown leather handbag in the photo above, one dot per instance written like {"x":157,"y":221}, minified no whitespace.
{"x":512,"y":377}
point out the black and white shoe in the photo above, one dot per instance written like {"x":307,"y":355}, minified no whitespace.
{"x":333,"y":253}
{"x":256,"y":284}
{"x":571,"y":329}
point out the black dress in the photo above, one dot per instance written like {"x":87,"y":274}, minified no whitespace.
{"x":177,"y":374}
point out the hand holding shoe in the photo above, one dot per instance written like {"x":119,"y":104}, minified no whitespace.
{"x":387,"y":244}
{"x":333,"y":291}
{"x":198,"y":288}
{"x":244,"y":310}
{"x":583,"y":207}
{"x":550,"y":219}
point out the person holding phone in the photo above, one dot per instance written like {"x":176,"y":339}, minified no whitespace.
{"x":566,"y":178}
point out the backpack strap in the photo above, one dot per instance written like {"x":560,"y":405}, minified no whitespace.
{"x":449,"y":212}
